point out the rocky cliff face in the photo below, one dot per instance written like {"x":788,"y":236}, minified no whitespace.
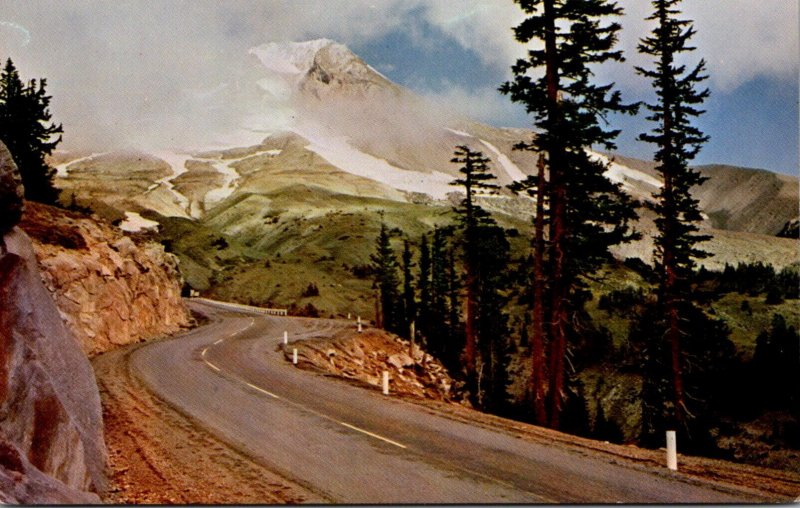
{"x":49,"y":402}
{"x":110,"y":290}
{"x":11,"y":191}
{"x":51,"y":430}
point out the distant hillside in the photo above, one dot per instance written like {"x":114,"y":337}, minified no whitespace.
{"x":358,"y":145}
{"x":744,"y":199}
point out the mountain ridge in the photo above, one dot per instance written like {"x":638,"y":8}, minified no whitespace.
{"x":355,"y":133}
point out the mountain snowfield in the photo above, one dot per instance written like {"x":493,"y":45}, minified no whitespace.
{"x":336,"y":124}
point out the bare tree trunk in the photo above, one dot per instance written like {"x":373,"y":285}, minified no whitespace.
{"x":537,"y":379}
{"x":558,"y":198}
{"x":470,"y":338}
{"x":378,"y":311}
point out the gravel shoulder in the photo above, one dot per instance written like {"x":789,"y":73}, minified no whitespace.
{"x":159,"y":456}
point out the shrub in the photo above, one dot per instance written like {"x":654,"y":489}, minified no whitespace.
{"x":220,"y":243}
{"x":310,"y":290}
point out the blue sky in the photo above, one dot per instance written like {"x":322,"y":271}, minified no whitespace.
{"x":120,"y":70}
{"x":753,"y":124}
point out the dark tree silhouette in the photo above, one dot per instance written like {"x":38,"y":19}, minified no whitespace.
{"x":384,"y":264}
{"x":26,"y":130}
{"x":587,"y":212}
{"x":475,"y":179}
{"x":677,"y":141}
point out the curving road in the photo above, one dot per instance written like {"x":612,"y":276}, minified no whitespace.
{"x":351,"y":445}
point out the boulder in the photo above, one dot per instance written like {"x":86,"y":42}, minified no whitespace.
{"x":400,"y":360}
{"x":21,"y":483}
{"x":49,"y":401}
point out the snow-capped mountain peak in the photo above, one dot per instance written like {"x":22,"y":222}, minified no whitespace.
{"x":294,"y":57}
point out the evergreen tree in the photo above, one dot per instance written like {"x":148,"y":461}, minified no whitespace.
{"x":384,"y":265}
{"x":438,"y":330}
{"x":26,"y":130}
{"x":409,"y":302}
{"x":492,"y":324}
{"x":678,"y":215}
{"x":587,"y":212}
{"x":708,"y":358}
{"x":455,"y":331}
{"x":536,"y":380}
{"x":424,"y":287}
{"x":475,"y":180}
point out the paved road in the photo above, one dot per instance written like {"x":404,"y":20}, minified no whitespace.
{"x":351,"y":445}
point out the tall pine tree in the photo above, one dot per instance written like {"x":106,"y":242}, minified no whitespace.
{"x":677,"y":141}
{"x":26,"y":130}
{"x":475,"y":180}
{"x":384,"y":264}
{"x":588,"y":213}
{"x":409,"y":303}
{"x":424,"y":290}
{"x":536,"y":381}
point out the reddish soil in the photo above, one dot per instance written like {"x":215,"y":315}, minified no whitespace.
{"x":159,"y":456}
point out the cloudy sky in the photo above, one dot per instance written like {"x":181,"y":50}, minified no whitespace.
{"x":144,"y":73}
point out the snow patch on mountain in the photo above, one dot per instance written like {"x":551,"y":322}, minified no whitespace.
{"x":459,"y":133}
{"x":373,"y":69}
{"x":291,"y":58}
{"x":62,"y":170}
{"x":177,"y":161}
{"x":134,"y":222}
{"x":631,"y":179}
{"x":338,"y":151}
{"x":231,"y":177}
{"x":228,"y":187}
{"x":511,"y":169}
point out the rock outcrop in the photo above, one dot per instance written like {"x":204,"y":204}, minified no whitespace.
{"x":22,"y":483}
{"x":111,"y":290}
{"x":364,"y":357}
{"x":51,"y":428}
{"x":49,"y":402}
{"x":11,"y":192}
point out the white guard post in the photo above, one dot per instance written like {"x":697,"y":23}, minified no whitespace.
{"x":672,"y":451}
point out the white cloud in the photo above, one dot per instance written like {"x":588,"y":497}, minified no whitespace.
{"x":484,"y":105}
{"x":743,"y":39}
{"x":739,"y":39}
{"x":484,"y":27}
{"x":135,"y":72}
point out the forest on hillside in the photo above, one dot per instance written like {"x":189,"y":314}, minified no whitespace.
{"x":672,"y":351}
